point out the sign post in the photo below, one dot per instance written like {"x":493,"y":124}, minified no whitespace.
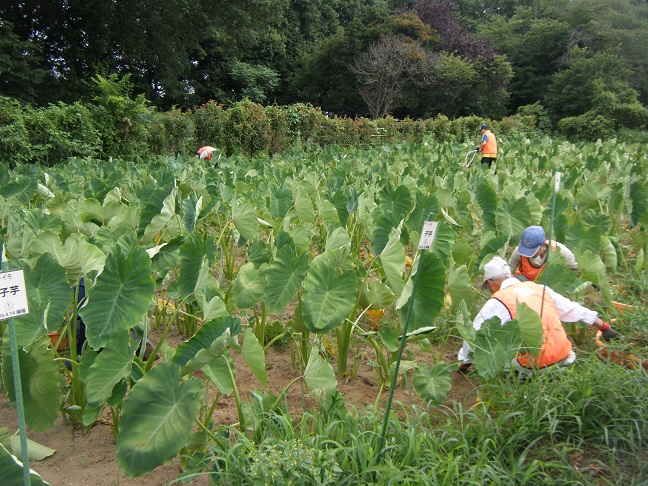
{"x":13,"y":302}
{"x":425,"y":243}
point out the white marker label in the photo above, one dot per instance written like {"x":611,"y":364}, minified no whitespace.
{"x":428,"y":235}
{"x":557,"y":183}
{"x":13,"y":295}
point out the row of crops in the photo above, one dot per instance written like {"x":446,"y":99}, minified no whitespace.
{"x":323,"y":237}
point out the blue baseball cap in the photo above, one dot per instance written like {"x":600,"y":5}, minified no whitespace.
{"x":484,"y":127}
{"x":532,"y":238}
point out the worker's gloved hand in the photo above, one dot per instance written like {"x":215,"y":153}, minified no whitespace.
{"x":464,"y":367}
{"x":607,"y":333}
{"x":477,"y":149}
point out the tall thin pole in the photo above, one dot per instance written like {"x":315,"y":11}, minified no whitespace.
{"x":18,"y":391}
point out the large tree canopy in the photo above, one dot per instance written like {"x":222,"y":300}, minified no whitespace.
{"x":481,"y":57}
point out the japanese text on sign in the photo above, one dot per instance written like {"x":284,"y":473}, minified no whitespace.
{"x":428,"y":235}
{"x":13,"y":296}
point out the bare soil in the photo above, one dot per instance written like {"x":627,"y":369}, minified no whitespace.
{"x":89,"y":459}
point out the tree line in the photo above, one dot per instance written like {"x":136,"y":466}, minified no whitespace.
{"x":578,"y":65}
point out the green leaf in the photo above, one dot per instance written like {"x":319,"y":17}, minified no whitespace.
{"x":39,"y":380}
{"x":280,"y":201}
{"x":397,"y":202}
{"x":327,"y":298}
{"x":195,"y":253}
{"x":48,"y":295}
{"x":319,"y":376}
{"x":110,"y":366}
{"x":495,"y":346}
{"x":36,"y":451}
{"x":159,"y":221}
{"x":249,"y":286}
{"x":191,"y":207}
{"x":245,"y":220}
{"x":392,"y":260}
{"x":156,"y":420}
{"x":639,"y":198}
{"x":432,"y":384}
{"x":530,"y":326}
{"x":377,"y":295}
{"x":11,"y":470}
{"x":284,"y":279}
{"x":120,"y":297}
{"x":218,"y":373}
{"x":304,"y":207}
{"x":429,"y":295}
{"x":512,"y":217}
{"x":205,"y":337}
{"x":487,"y":200}
{"x":460,"y":287}
{"x":254,"y":356}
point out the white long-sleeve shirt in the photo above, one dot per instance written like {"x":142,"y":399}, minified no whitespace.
{"x":568,"y":311}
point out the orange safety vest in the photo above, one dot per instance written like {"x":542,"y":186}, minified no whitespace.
{"x":555,"y":346}
{"x":490,"y":147}
{"x":205,"y":152}
{"x":529,"y":270}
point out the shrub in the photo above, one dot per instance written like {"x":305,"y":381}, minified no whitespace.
{"x":588,"y":127}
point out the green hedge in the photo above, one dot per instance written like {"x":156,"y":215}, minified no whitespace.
{"x":114,"y":125}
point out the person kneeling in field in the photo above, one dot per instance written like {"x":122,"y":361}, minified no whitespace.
{"x":553,"y":309}
{"x":530,"y":257}
{"x":207,"y":152}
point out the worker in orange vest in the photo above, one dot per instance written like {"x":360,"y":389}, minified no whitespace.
{"x":206,"y":152}
{"x":553,"y":309}
{"x":529,"y":259}
{"x":488,"y":146}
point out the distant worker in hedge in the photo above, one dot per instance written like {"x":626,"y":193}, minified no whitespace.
{"x":553,"y":309}
{"x":488,"y":146}
{"x":206,"y":152}
{"x":529,"y":259}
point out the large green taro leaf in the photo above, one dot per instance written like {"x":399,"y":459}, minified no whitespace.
{"x":110,"y":366}
{"x":39,"y":379}
{"x":392,"y":260}
{"x":205,"y":338}
{"x":487,"y":200}
{"x":120,"y":297}
{"x":245,"y":220}
{"x":460,"y":287}
{"x":284,"y":279}
{"x":397,"y":202}
{"x":156,"y":419}
{"x":193,"y":251}
{"x":48,"y":295}
{"x":432,"y":384}
{"x":254,"y":356}
{"x":319,"y":376}
{"x":512,"y":217}
{"x":304,"y":207}
{"x":160,"y":220}
{"x":249,"y":285}
{"x":639,"y":198}
{"x":218,"y":372}
{"x":428,"y":297}
{"x":11,"y":470}
{"x":495,"y":345}
{"x":281,"y":200}
{"x":328,"y":297}
{"x":530,"y":328}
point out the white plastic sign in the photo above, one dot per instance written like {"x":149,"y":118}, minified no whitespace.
{"x":13,"y":295}
{"x":428,"y":235}
{"x":557,"y":182}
